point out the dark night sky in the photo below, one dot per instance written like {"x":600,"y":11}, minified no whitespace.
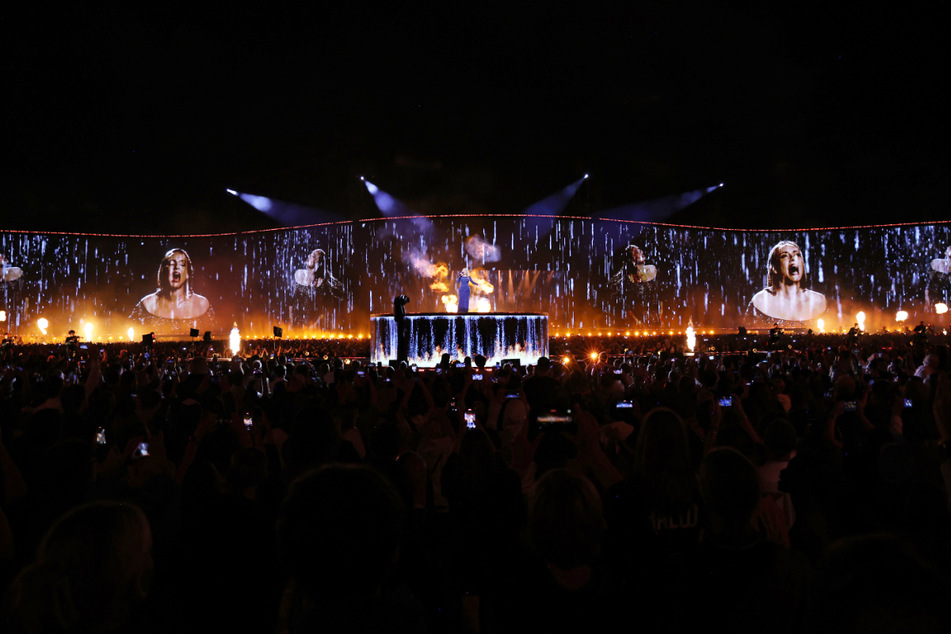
{"x":135,"y":118}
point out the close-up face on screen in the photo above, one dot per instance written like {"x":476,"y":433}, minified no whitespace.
{"x":582,"y":273}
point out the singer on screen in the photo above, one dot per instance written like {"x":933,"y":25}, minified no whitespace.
{"x":784,"y":297}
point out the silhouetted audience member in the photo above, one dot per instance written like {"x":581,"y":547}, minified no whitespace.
{"x":339,"y":534}
{"x":92,"y":573}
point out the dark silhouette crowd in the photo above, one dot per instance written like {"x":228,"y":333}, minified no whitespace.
{"x":801,"y":489}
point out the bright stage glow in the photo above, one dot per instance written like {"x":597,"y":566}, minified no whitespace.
{"x":691,"y":337}
{"x":860,"y":318}
{"x":234,"y":340}
{"x":594,"y":356}
{"x":42,"y":324}
{"x":131,"y":333}
{"x":565,"y":360}
{"x":940,"y":308}
{"x":3,"y":315}
{"x":901,"y":315}
{"x":87,"y":328}
{"x":232,"y":192}
{"x":821,"y":324}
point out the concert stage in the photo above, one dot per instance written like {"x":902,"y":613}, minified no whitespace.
{"x":497,"y":336}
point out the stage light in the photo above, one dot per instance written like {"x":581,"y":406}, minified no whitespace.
{"x":821,"y":324}
{"x":901,"y":315}
{"x":555,"y":203}
{"x":627,"y":333}
{"x":234,"y":340}
{"x":88,"y":330}
{"x":860,"y":318}
{"x":232,"y":192}
{"x":565,"y":360}
{"x":3,"y":315}
{"x":691,"y":338}
{"x":941,"y":308}
{"x":586,"y":176}
{"x":362,"y":178}
{"x":594,"y":356}
{"x":42,"y":324}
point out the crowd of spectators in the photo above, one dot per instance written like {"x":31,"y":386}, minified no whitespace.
{"x":788,"y":486}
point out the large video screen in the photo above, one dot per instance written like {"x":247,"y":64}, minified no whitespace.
{"x":585,"y":274}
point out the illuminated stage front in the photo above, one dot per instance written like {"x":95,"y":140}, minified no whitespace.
{"x":497,"y":336}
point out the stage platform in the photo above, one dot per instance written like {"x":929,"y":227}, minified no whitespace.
{"x":496,"y":336}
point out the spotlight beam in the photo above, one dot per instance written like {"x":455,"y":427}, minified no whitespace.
{"x":555,"y":203}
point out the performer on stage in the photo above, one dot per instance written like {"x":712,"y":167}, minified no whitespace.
{"x":464,"y":291}
{"x":402,"y":327}
{"x":174,"y":306}
{"x":784,"y":299}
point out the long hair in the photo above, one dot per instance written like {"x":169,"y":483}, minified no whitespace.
{"x":662,"y":463}
{"x":773,"y":276}
{"x":319,"y":262}
{"x":161,"y":277}
{"x":91,"y":571}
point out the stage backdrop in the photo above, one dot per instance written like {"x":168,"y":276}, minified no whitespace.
{"x":585,"y":274}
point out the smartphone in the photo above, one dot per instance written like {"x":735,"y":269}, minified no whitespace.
{"x":625,"y":404}
{"x":556,"y":420}
{"x":726,"y":401}
{"x":247,"y":422}
{"x":850,"y":406}
{"x":908,"y":402}
{"x":361,"y":373}
{"x":413,"y":367}
{"x":142,"y":450}
{"x":470,"y":419}
{"x":513,"y":394}
{"x":438,"y":370}
{"x":476,"y":377}
{"x":619,"y":371}
{"x":101,"y":436}
{"x":460,"y":364}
